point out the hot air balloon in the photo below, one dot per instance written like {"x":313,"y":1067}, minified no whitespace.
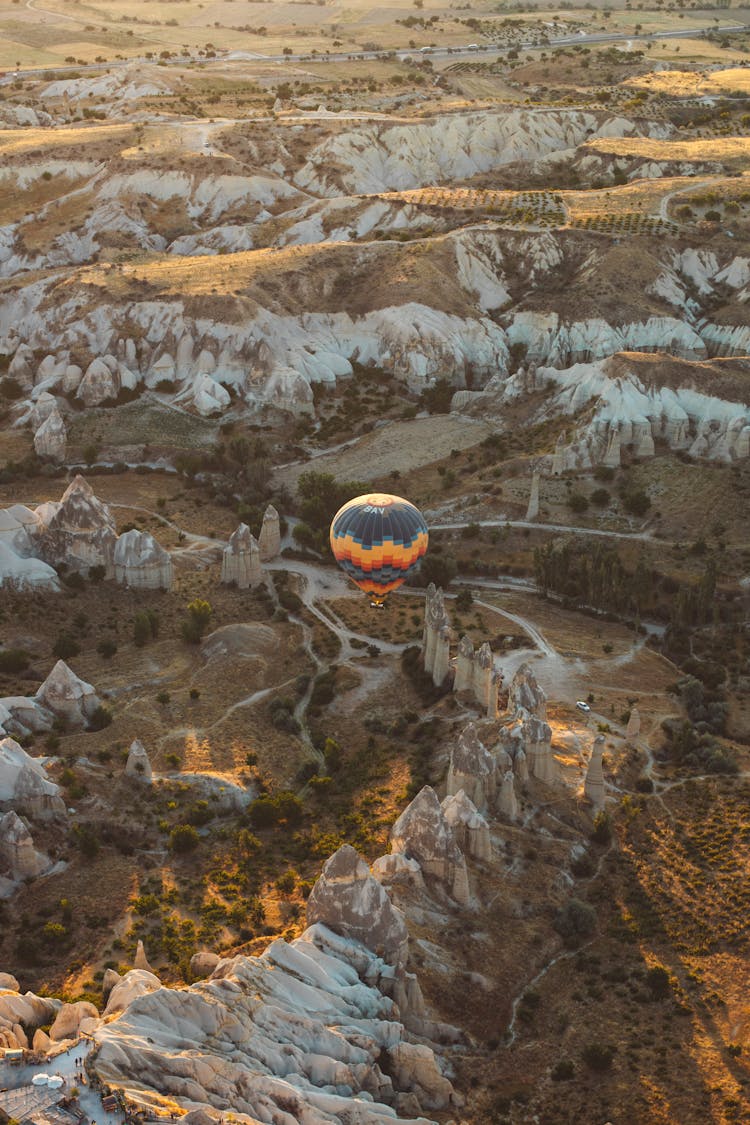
{"x":378,"y":540}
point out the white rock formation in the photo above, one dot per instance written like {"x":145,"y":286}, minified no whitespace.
{"x":140,"y":562}
{"x":294,"y":1035}
{"x":18,"y":855}
{"x":99,"y":384}
{"x":525,"y":694}
{"x":537,"y":738}
{"x":203,"y":963}
{"x":67,"y":696}
{"x":436,"y":636}
{"x":507,"y":800}
{"x":396,"y":869}
{"x":21,"y":573}
{"x":472,"y":769}
{"x":521,"y":765}
{"x":24,"y":783}
{"x":68,"y":1020}
{"x":375,"y":157}
{"x":634,"y":726}
{"x":51,"y":437}
{"x":635,"y":399}
{"x":140,"y":961}
{"x":130,"y":987}
{"x":240,"y":561}
{"x":79,"y":530}
{"x":423,"y":833}
{"x":138,"y":764}
{"x":470,"y":829}
{"x":269,"y":541}
{"x":18,"y":1012}
{"x":594,"y":783}
{"x":350,"y":901}
{"x":8,"y":983}
{"x":209,"y":397}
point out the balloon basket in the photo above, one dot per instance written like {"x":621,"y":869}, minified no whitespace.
{"x":377,"y":603}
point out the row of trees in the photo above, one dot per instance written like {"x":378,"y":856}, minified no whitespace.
{"x":594,"y":575}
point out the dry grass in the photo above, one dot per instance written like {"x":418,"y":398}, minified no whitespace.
{"x":732,"y":150}
{"x":17,"y":142}
{"x":689,"y":83}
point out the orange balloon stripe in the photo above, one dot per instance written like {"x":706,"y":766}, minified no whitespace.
{"x":375,"y":558}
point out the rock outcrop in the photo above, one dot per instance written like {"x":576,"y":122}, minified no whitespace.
{"x":350,"y":901}
{"x":436,"y":636}
{"x":525,"y":694}
{"x":24,"y":783}
{"x":67,"y":696}
{"x":18,"y":1012}
{"x":269,"y":540}
{"x":594,"y":783}
{"x":51,"y":437}
{"x":295,"y":1035}
{"x":634,"y":726}
{"x":203,"y":963}
{"x":470,"y":829}
{"x":18,"y":855}
{"x":68,"y":1020}
{"x":472,"y":769}
{"x":78,"y":531}
{"x":132,"y":986}
{"x":140,"y":562}
{"x":240,"y":561}
{"x":138,"y":764}
{"x":422,"y":833}
{"x":140,"y":961}
{"x":507,"y":801}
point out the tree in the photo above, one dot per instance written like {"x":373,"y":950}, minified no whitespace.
{"x":145,"y":626}
{"x":65,"y":646}
{"x":575,"y":921}
{"x":183,"y":838}
{"x":658,"y":982}
{"x":196,"y":623}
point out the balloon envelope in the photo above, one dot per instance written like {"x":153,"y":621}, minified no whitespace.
{"x":378,"y":539}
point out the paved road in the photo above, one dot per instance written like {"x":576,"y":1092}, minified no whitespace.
{"x":469,"y":50}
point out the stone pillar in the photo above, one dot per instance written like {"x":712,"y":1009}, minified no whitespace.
{"x":484,"y":667}
{"x":464,"y":665}
{"x":633,"y":727}
{"x":611,"y":456}
{"x":435,"y":619}
{"x":441,"y":663}
{"x":521,"y":766}
{"x":508,"y":803}
{"x":594,"y":783}
{"x":643,"y":441}
{"x":533,"y":509}
{"x":558,"y":457}
{"x":542,"y":764}
{"x":493,"y":707}
{"x":269,"y":540}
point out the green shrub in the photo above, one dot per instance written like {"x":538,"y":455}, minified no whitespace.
{"x":563,"y":1071}
{"x":100,"y":719}
{"x":658,"y":983}
{"x":597,"y":1056}
{"x":575,"y":921}
{"x":183,"y":838}
{"x":65,"y":646}
{"x":13,"y":660}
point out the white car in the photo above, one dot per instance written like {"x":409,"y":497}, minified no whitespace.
{"x":582,"y":705}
